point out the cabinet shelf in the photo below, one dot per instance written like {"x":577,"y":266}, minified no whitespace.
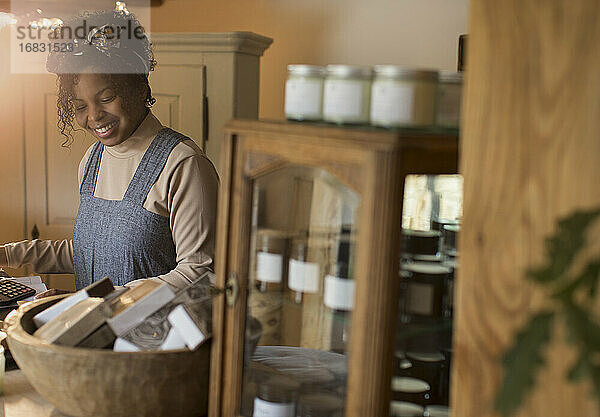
{"x":405,"y":131}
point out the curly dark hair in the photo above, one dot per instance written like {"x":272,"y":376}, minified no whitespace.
{"x":129,"y":87}
{"x":124,"y":62}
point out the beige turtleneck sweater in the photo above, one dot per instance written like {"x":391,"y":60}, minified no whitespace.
{"x":185,"y":192}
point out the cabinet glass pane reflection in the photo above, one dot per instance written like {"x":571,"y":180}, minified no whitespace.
{"x":431,"y":216}
{"x":301,"y":294}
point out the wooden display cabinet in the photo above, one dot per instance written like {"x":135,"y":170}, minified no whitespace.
{"x":327,"y":198}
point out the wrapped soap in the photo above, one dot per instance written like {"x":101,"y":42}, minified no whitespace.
{"x":135,"y":305}
{"x":97,"y":289}
{"x":99,"y":339}
{"x":193,"y":327}
{"x":72,"y":326}
{"x":153,"y":332}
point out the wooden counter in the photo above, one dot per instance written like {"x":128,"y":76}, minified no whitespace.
{"x":21,"y":400}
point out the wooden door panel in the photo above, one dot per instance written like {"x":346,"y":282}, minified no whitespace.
{"x":12,"y":208}
{"x":52,"y":190}
{"x":61,"y":164}
{"x":179,"y":91}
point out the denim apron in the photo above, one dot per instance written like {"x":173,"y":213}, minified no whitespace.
{"x":120,"y":238}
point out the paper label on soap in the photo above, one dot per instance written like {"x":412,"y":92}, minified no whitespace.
{"x":264,"y":408}
{"x":392,"y":103}
{"x":303,"y":97}
{"x":303,"y":276}
{"x":343,"y":98}
{"x":268,"y":267}
{"x":339,"y":293}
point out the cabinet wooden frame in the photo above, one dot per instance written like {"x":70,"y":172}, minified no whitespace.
{"x":374,"y":164}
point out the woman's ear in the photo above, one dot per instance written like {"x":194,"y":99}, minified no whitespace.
{"x":148,"y":99}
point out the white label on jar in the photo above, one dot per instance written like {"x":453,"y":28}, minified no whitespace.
{"x":264,"y":408}
{"x":343,"y":98}
{"x":303,"y":276}
{"x":392,"y":102}
{"x":268,"y":267}
{"x":339,"y":293}
{"x":303,"y":97}
{"x":420,"y":299}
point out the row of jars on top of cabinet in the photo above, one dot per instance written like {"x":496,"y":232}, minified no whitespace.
{"x":384,"y":95}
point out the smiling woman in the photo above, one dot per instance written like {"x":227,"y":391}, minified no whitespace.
{"x":147,"y":193}
{"x":98,"y":108}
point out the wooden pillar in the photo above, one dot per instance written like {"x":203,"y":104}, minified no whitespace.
{"x":530,"y":154}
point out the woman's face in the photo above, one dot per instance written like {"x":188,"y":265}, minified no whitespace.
{"x":99,"y":110}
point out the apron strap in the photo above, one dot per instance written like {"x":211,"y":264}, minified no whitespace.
{"x":90,"y":175}
{"x":152,"y":164}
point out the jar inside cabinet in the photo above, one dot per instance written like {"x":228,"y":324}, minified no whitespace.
{"x":301,"y":293}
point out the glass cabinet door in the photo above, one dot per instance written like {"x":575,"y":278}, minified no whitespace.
{"x":431,"y":216}
{"x":300,"y":294}
{"x":308,"y":249}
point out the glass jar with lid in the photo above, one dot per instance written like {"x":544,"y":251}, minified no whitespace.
{"x":347,"y":94}
{"x":405,"y":409}
{"x":304,"y":92}
{"x":403,"y":96}
{"x":276,"y":397}
{"x":421,"y":245}
{"x":437,"y":411}
{"x":303,"y":276}
{"x":424,"y":290}
{"x":449,"y":99}
{"x":339,"y":290}
{"x":412,"y":390}
{"x":270,"y":266}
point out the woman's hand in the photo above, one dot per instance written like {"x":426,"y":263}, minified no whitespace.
{"x":51,"y":292}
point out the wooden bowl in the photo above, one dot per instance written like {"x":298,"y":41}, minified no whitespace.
{"x":102,"y":383}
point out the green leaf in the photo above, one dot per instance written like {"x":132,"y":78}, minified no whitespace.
{"x":588,"y":279}
{"x":581,"y":369}
{"x":583,"y":331}
{"x":594,"y":286}
{"x":522,"y":362}
{"x":562,"y":247}
{"x":585,"y":368}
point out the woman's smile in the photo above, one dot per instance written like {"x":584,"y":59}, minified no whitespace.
{"x":106,"y":130}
